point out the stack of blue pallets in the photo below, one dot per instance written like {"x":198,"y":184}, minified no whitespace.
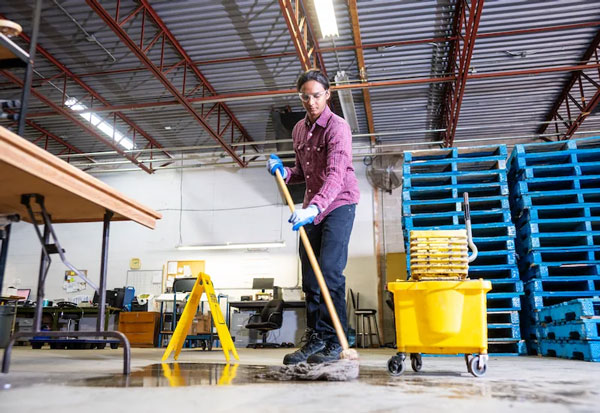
{"x":571,"y":330}
{"x":433,"y":185}
{"x":555,"y":200}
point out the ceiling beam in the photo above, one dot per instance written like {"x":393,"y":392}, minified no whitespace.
{"x":363,"y":46}
{"x":247,"y":96}
{"x":72,"y":117}
{"x":222,"y":112}
{"x":302,"y":34}
{"x":459,"y":60}
{"x":70,"y":75}
{"x":360,"y":60}
{"x":575,"y":87}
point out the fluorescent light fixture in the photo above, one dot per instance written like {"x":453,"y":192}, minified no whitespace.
{"x":100,"y":123}
{"x":347,"y":101}
{"x":326,"y":16}
{"x":232,"y":246}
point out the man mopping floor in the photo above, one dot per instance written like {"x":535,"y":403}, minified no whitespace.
{"x":323,"y":150}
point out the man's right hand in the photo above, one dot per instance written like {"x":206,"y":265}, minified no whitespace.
{"x":274,"y":164}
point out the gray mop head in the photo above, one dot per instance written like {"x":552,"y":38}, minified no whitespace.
{"x":339,"y":370}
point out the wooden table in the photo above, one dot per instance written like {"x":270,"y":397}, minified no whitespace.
{"x":30,"y":175}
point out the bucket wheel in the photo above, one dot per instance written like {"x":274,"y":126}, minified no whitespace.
{"x":416,"y":362}
{"x":396,"y":364}
{"x":478,"y":365}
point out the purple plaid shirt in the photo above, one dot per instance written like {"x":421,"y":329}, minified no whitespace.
{"x":324,"y":161}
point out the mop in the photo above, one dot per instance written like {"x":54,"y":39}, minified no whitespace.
{"x":346,"y":367}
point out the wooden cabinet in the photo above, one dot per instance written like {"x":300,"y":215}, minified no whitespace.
{"x":141,"y":328}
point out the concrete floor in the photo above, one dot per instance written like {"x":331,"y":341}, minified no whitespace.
{"x":90,"y":381}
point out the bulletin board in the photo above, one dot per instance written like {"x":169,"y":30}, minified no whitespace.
{"x":180,"y":269}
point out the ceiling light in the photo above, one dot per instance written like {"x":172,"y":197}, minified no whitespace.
{"x":100,"y":123}
{"x":326,"y":16}
{"x":168,"y":128}
{"x":232,"y":246}
{"x":347,"y":101}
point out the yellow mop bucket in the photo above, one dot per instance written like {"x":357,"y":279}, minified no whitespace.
{"x":438,"y":311}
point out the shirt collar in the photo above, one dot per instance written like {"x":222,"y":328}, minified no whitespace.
{"x":323,"y":119}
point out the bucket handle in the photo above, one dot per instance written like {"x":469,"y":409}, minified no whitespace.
{"x":467,"y":210}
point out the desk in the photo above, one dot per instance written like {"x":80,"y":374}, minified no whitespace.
{"x":55,"y":313}
{"x":66,"y":194}
{"x":259,"y":305}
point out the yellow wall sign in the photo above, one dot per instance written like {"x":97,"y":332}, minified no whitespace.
{"x":135,"y":264}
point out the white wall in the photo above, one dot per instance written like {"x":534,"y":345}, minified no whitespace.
{"x":219,"y":205}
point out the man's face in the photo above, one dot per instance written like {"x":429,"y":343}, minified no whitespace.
{"x":314,"y":99}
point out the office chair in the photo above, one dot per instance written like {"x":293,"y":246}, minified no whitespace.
{"x":363,"y":315}
{"x":269,"y":318}
{"x":74,"y":315}
{"x":180,"y":285}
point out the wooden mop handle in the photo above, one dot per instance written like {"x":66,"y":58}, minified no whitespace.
{"x":315,"y":266}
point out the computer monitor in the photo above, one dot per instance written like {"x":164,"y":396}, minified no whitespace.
{"x":262,"y":283}
{"x":24,"y":294}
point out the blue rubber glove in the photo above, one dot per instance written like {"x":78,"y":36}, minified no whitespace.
{"x":303,"y":216}
{"x":274,"y":164}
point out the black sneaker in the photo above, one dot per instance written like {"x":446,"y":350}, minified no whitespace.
{"x":312,"y":345}
{"x":331,"y":352}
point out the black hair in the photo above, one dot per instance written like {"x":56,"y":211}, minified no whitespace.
{"x":312,"y":74}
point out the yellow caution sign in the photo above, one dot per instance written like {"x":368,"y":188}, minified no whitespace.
{"x":203,"y":285}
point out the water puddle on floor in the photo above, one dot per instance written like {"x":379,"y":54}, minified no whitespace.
{"x":450,"y":384}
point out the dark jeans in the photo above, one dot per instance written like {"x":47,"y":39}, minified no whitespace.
{"x":329,"y":240}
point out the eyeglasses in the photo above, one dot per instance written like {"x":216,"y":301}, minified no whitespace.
{"x":305,"y":97}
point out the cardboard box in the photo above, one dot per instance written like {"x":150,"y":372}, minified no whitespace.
{"x":201,"y":324}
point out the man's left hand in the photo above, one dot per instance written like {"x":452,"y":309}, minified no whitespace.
{"x":303,"y":216}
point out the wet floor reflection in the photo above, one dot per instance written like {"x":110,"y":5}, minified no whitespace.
{"x":451,"y":385}
{"x":434,"y":384}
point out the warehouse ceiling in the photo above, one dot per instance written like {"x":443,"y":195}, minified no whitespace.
{"x":146,"y":85}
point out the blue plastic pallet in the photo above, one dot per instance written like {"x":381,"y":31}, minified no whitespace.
{"x":573,"y":330}
{"x":467,"y":166}
{"x":435,"y":179}
{"x":509,"y":273}
{"x":503,"y":317}
{"x":570,"y":183}
{"x":454,"y":191}
{"x":565,"y":284}
{"x":507,"y":348}
{"x":540,"y":299}
{"x":550,"y":255}
{"x":573,"y":196}
{"x":544,"y":147}
{"x":456,"y":153}
{"x":541,"y":213}
{"x":503,"y":302}
{"x":427,"y":177}
{"x":502,"y":332}
{"x":526,"y":225}
{"x":559,"y":269}
{"x":576,"y":350}
{"x":455,"y":218}
{"x":573,"y":155}
{"x":550,"y":171}
{"x":525,"y":184}
{"x":501,"y":229}
{"x":570,"y":311}
{"x":448,"y":205}
{"x":565,"y":241}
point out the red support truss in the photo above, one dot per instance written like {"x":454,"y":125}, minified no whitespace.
{"x":73,"y":118}
{"x":578,"y":98}
{"x":465,"y":32}
{"x":303,"y":37}
{"x":226,"y":129}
